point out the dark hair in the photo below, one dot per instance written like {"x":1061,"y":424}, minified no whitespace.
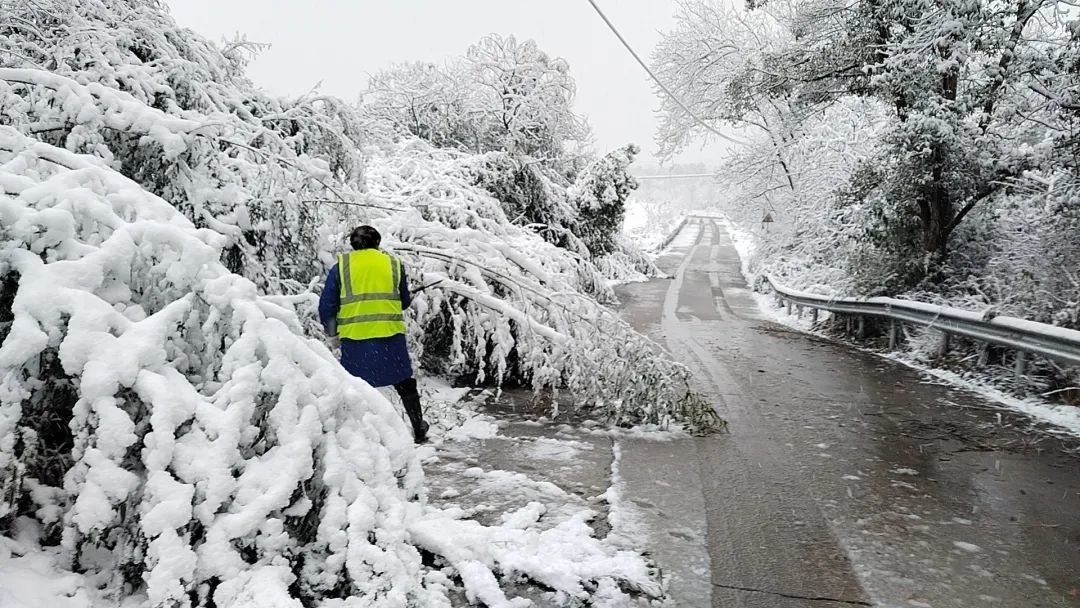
{"x":365,"y":237}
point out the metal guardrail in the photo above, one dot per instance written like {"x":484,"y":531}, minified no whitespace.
{"x":1021,"y":335}
{"x":674,"y":233}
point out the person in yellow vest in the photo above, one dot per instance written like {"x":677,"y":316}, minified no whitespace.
{"x":362,"y":304}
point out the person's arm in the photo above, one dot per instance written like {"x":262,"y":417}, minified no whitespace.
{"x":330,"y":302}
{"x":403,"y":288}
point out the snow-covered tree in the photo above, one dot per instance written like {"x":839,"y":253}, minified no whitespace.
{"x":962,"y":80}
{"x":511,"y":103}
{"x":526,"y":96}
{"x":429,"y":101}
{"x":174,"y":112}
{"x":503,"y":95}
{"x":600,"y":195}
{"x":946,"y":70}
{"x":719,"y":61}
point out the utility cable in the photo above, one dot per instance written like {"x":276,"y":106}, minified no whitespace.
{"x":675,"y":176}
{"x":660,"y":84}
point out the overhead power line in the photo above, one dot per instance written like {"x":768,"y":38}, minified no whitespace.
{"x":675,"y":176}
{"x":660,"y":84}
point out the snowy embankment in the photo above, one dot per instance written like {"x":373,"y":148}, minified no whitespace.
{"x":646,"y":227}
{"x":214,"y":453}
{"x":1063,"y":417}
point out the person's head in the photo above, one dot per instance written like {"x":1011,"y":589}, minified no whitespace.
{"x":365,"y":237}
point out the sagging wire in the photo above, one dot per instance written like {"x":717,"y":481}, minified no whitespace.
{"x":657,"y":80}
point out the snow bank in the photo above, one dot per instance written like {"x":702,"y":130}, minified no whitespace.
{"x":564,"y":558}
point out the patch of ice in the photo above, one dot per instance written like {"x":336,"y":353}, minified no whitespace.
{"x":478,"y":427}
{"x":438,"y":389}
{"x":1035,"y":579}
{"x":543,"y":448}
{"x":651,"y":432}
{"x":970,"y":548}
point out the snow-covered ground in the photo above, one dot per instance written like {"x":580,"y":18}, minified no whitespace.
{"x":31,"y":577}
{"x":550,"y":544}
{"x":1063,"y":417}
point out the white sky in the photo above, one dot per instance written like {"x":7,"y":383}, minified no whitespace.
{"x":340,"y":42}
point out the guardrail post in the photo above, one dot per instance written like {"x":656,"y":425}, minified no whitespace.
{"x":1021,"y":367}
{"x":894,"y":331}
{"x":984,"y":355}
{"x":789,"y":307}
{"x":862,"y":326}
{"x":799,"y":308}
{"x":813,"y":315}
{"x":943,"y":346}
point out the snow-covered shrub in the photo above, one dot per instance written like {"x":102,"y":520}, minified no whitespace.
{"x":584,"y":217}
{"x":213,"y":451}
{"x":502,"y":96}
{"x":1024,"y":255}
{"x":599,"y":195}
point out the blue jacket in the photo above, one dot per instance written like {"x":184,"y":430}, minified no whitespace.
{"x":379,"y":361}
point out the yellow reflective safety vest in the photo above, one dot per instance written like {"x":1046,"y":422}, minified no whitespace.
{"x":370,"y":295}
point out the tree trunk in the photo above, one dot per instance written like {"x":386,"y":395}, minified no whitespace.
{"x":936,"y":231}
{"x":938,"y":213}
{"x":938,"y":221}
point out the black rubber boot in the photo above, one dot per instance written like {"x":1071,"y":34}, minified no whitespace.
{"x":410,"y":398}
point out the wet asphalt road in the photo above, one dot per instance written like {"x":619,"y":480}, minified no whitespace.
{"x":848,"y":479}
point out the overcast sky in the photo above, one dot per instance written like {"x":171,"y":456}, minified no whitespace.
{"x":340,"y":42}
